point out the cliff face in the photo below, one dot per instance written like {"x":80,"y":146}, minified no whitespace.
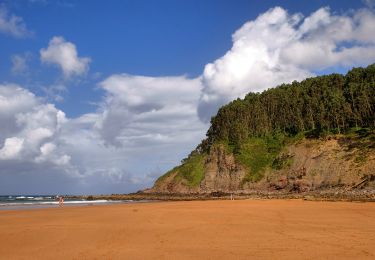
{"x":222,"y":172}
{"x":318,"y":164}
{"x":309,"y":164}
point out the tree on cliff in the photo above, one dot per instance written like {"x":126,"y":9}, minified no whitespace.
{"x":330,"y":103}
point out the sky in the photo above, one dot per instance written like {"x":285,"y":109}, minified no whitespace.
{"x":105,"y":96}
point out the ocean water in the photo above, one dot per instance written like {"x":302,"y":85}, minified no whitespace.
{"x":44,"y":201}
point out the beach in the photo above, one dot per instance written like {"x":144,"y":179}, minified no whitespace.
{"x":241,"y":229}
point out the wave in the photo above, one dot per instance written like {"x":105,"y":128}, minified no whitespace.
{"x":26,"y":198}
{"x":65,"y":202}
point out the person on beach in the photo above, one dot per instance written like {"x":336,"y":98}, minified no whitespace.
{"x":61,"y":201}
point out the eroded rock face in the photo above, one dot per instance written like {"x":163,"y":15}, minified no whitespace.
{"x":316,"y":164}
{"x":319,"y":164}
{"x":222,"y":173}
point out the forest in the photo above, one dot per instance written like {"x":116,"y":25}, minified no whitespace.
{"x":315,"y":106}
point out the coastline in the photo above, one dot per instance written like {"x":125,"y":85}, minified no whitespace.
{"x":27,"y":206}
{"x":240,"y":229}
{"x":333,"y":194}
{"x":328,"y":195}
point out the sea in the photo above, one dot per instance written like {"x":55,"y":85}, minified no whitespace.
{"x":10,"y":202}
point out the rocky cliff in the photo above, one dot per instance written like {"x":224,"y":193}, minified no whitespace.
{"x":339,"y":161}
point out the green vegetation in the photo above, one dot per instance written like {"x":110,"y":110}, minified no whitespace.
{"x":282,"y":161}
{"x":256,"y":154}
{"x":192,"y":170}
{"x":361,"y":139}
{"x":257,"y":127}
{"x":259,"y":153}
{"x":317,"y":106}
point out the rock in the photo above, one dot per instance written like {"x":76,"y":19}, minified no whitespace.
{"x":316,"y":165}
{"x":222,"y":173}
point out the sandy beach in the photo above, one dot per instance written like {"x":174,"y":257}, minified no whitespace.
{"x":259,"y":229}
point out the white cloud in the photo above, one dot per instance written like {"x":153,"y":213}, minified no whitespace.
{"x":12,"y":24}
{"x":325,"y":40}
{"x":142,"y":124}
{"x":64,"y":54}
{"x":140,"y":109}
{"x":28,"y":125}
{"x":47,"y":153}
{"x":12,"y":147}
{"x":14,"y":99}
{"x":278,"y":47}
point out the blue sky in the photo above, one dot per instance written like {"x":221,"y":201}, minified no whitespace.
{"x":147,"y":75}
{"x":154,"y":38}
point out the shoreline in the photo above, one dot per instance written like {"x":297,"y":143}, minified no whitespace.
{"x":329,"y":195}
{"x":319,"y":195}
{"x":28,"y":206}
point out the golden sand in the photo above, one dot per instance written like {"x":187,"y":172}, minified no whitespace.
{"x":259,"y":229}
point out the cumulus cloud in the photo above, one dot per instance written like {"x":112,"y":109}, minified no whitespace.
{"x":278,"y":47}
{"x":64,"y":54}
{"x":143,"y":125}
{"x":12,"y":147}
{"x":29,"y":125}
{"x":143,"y":110}
{"x":39,"y":144}
{"x":12,"y":24}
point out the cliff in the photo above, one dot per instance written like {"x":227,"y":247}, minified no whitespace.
{"x":311,"y":135}
{"x":344,"y":162}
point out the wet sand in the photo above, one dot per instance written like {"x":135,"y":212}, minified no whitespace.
{"x":258,"y":229}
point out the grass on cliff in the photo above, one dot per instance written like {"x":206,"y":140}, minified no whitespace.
{"x":192,"y":170}
{"x":258,"y":153}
